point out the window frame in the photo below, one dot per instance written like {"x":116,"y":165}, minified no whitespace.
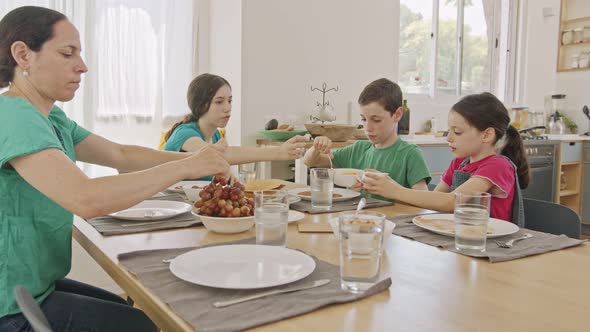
{"x":504,"y":29}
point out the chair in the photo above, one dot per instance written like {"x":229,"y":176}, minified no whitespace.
{"x":551,"y":218}
{"x":31,"y":310}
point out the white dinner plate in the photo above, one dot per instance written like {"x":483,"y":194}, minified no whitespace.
{"x":345,"y":194}
{"x":445,"y":225}
{"x":177,"y":188}
{"x":153,"y":210}
{"x":242,"y":266}
{"x":295,"y":216}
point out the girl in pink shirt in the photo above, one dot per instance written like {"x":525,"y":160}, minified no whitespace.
{"x":479,"y":127}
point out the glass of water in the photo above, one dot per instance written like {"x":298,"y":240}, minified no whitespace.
{"x":322,"y":187}
{"x":360,"y":240}
{"x":472,"y":212}
{"x":271,"y":216}
{"x":247,"y":173}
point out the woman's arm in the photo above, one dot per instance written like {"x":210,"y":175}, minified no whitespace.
{"x":129,"y":158}
{"x":291,"y":149}
{"x":51,"y":172}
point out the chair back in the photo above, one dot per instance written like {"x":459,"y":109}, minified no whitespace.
{"x":551,"y":218}
{"x":31,"y":310}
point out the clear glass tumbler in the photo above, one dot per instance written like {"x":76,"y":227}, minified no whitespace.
{"x":322,"y":188}
{"x":472,"y":212}
{"x":360,"y":241}
{"x":271,"y":216}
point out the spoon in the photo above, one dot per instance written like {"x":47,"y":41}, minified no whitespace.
{"x":586,"y":111}
{"x":360,"y":205}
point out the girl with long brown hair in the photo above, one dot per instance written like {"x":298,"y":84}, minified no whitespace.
{"x":210,"y":101}
{"x":479,"y":128}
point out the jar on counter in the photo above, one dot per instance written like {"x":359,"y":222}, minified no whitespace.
{"x":575,"y":63}
{"x":586,"y":34}
{"x":584,"y":60}
{"x":567,"y":37}
{"x":578,"y":35}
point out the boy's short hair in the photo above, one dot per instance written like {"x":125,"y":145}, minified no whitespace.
{"x":384,"y":92}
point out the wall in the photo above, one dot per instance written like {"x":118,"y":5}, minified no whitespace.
{"x":289,"y":46}
{"x":575,"y":84}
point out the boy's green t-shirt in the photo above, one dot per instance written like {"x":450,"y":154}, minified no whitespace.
{"x":35,"y":232}
{"x":403,"y":161}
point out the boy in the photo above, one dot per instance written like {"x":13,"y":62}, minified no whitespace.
{"x":381,"y":110}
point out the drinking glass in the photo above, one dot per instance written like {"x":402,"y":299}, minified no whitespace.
{"x":247,"y":173}
{"x":472,"y":212}
{"x":322,"y":187}
{"x":360,"y":241}
{"x":271,"y":216}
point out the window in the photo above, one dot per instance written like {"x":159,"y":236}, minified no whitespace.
{"x":448,"y":47}
{"x":141,"y":56}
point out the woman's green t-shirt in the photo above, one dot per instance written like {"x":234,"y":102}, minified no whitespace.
{"x":35,"y":232}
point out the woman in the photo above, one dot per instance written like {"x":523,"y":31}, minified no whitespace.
{"x":41,"y":186}
{"x":479,"y":126}
{"x":209,"y":99}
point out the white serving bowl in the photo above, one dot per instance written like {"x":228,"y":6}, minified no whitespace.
{"x":191,"y":193}
{"x":346,"y":177}
{"x":379,"y":173}
{"x":227,"y":225}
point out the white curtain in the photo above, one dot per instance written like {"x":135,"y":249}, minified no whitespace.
{"x":140,"y":54}
{"x":144,"y":52}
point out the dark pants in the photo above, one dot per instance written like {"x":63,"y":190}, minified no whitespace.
{"x":75,"y":306}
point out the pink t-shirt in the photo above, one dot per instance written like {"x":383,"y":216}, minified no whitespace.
{"x":499,"y":172}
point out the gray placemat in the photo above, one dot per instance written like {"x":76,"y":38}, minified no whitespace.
{"x":538,"y":244}
{"x":348,"y":205}
{"x":194,"y":303}
{"x":111,"y":226}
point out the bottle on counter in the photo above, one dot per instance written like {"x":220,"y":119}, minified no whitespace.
{"x":433,"y":126}
{"x":403,"y":127}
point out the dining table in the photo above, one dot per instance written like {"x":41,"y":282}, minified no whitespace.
{"x":432,"y":289}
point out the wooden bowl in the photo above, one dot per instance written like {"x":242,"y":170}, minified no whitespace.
{"x":334,"y":131}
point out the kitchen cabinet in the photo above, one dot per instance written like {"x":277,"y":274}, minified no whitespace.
{"x":570,"y":175}
{"x":573,"y":37}
{"x":438,"y":158}
{"x":585,"y":206}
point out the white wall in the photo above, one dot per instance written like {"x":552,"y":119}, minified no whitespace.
{"x":289,"y":46}
{"x":575,"y":84}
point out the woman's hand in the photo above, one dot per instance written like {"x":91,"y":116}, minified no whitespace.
{"x":380,"y":184}
{"x":293,"y":148}
{"x":205,"y":162}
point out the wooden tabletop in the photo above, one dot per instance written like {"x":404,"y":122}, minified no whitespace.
{"x":432,"y":289}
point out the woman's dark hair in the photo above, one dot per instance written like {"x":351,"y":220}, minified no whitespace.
{"x":29,"y":24}
{"x":484,"y":111}
{"x":200,"y":94}
{"x":384,"y":92}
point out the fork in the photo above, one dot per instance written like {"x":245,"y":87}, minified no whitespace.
{"x":510,"y":243}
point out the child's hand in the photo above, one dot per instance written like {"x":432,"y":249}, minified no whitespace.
{"x":322,"y":144}
{"x":357,"y":186}
{"x":380,"y":184}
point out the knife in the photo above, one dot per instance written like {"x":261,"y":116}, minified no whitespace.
{"x":317,"y":283}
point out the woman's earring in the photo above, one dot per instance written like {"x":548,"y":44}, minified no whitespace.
{"x":25,"y":73}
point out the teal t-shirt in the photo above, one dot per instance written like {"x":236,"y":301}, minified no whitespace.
{"x":184,"y":132}
{"x":403,"y":161}
{"x":35,"y":232}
